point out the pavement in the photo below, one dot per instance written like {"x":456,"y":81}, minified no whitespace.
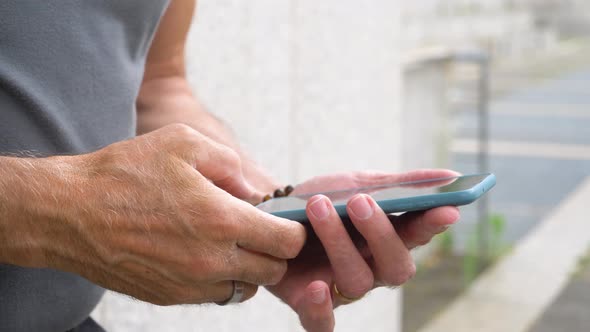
{"x":569,"y":312}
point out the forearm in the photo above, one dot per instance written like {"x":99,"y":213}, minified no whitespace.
{"x":33,"y":194}
{"x":170,"y":100}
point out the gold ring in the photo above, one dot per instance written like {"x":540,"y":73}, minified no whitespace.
{"x":344,"y":299}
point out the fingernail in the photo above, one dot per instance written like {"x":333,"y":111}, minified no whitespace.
{"x":318,"y":296}
{"x":319,"y":208}
{"x":361,"y":208}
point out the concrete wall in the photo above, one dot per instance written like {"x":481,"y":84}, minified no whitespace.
{"x":425,"y":129}
{"x":310,"y":87}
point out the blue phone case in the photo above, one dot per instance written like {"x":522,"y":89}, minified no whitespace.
{"x":415,"y":203}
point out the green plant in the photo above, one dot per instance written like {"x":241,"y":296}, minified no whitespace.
{"x":583,"y":264}
{"x":497,"y":227}
{"x":474,"y":260}
{"x":471,"y":259}
{"x":446,"y":243}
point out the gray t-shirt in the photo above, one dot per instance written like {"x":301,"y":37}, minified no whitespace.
{"x":70,"y":71}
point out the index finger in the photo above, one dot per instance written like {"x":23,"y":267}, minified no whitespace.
{"x":264,"y":233}
{"x":215,"y":161}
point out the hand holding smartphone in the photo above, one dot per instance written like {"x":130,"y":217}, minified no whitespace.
{"x":394,"y":197}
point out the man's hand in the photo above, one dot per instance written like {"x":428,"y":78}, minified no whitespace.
{"x":146,"y":217}
{"x":166,"y":97}
{"x":380,"y":258}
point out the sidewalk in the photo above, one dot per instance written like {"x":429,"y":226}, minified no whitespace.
{"x":569,"y":312}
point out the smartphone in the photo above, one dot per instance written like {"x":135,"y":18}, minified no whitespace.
{"x":393,"y":198}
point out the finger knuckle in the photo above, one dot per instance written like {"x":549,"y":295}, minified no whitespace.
{"x":231,"y":160}
{"x":402,"y":275}
{"x":385,"y":236}
{"x":181,"y":130}
{"x":269,"y":275}
{"x":276,"y":272}
{"x":413,"y":237}
{"x":216,"y":266}
{"x":183,"y":135}
{"x":227,"y":226}
{"x":360,"y":284}
{"x":210,"y":267}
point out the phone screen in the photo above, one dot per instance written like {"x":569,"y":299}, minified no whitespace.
{"x":381,"y":192}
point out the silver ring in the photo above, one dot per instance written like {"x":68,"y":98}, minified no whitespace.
{"x":236,"y":295}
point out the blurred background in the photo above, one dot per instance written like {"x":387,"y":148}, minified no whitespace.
{"x":312,"y":87}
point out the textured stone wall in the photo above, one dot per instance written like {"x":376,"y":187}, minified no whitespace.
{"x":310,"y":87}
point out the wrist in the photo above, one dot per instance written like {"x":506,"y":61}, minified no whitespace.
{"x":35,"y":195}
